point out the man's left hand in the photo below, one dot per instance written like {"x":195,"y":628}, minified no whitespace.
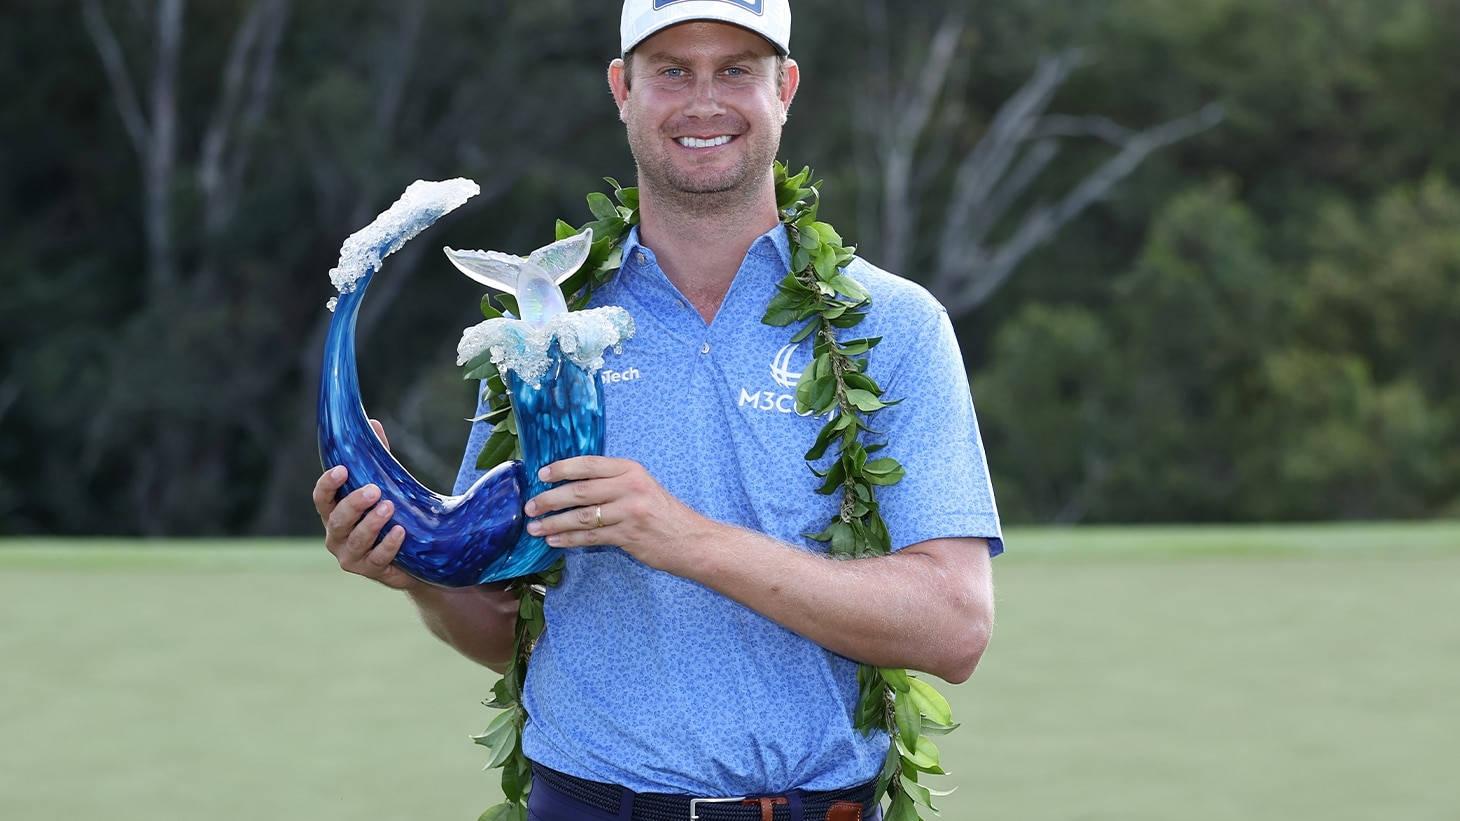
{"x":615,"y":501}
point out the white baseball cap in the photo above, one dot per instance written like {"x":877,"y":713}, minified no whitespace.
{"x":770,"y":19}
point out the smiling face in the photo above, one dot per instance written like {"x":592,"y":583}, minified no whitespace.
{"x":704,"y":108}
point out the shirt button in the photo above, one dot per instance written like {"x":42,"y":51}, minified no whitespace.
{"x":641,"y":257}
{"x":705,"y":348}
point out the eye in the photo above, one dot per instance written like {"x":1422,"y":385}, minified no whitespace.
{"x":674,"y":72}
{"x":736,"y":71}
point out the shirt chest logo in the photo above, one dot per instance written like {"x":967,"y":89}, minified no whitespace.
{"x":608,"y":376}
{"x":782,"y":374}
{"x":781,"y":368}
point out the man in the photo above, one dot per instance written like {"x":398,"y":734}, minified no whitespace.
{"x":699,"y":644}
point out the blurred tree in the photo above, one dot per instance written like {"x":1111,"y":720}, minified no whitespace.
{"x":1160,"y":388}
{"x":1379,"y":314}
{"x":946,"y":206}
{"x":1257,"y":321}
{"x":1044,"y":403}
{"x":183,"y":402}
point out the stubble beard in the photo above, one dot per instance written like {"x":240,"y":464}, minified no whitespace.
{"x":703,"y":194}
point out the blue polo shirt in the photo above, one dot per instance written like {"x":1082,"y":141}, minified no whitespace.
{"x":657,"y":683}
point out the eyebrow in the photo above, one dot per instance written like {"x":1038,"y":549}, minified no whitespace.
{"x":738,"y":57}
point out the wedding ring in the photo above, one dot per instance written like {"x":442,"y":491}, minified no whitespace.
{"x":597,"y":517}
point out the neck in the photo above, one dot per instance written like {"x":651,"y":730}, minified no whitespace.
{"x":701,"y":239}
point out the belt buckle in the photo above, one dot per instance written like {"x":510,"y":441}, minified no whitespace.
{"x":694,"y":812}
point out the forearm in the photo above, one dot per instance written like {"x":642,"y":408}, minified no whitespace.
{"x":477,"y":622}
{"x":927,"y":607}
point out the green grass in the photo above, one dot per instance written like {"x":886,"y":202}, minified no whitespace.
{"x":1136,"y":673}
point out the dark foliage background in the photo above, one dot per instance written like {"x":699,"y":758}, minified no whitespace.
{"x":1256,"y":318}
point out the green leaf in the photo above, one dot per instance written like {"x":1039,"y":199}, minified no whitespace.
{"x":800,"y":259}
{"x":504,"y":812}
{"x":500,"y":447}
{"x":828,"y":434}
{"x":880,"y":467}
{"x":480,"y":367}
{"x":562,"y":230}
{"x":828,"y":234}
{"x":825,"y":261}
{"x":529,"y":609}
{"x":509,"y":304}
{"x":815,"y":395}
{"x":834,"y":476}
{"x":857,"y":347}
{"x":602,"y":207}
{"x":806,"y":330}
{"x":516,"y":778}
{"x":896,"y":678}
{"x":500,"y":737}
{"x":864,"y":400}
{"x":501,"y":698}
{"x":848,"y":286}
{"x":861,"y":381}
{"x":907,"y":719}
{"x":929,"y":701}
{"x":901,"y":809}
{"x":785,"y":309}
{"x":884,"y":472}
{"x":807,"y":236}
{"x":805,"y":390}
{"x":923,"y":757}
{"x":552,"y":576}
{"x":918,"y":793}
{"x":930,"y":728}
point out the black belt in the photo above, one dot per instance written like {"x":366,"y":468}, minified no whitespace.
{"x":610,"y":798}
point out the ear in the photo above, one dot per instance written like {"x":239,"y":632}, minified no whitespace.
{"x":790,"y":81}
{"x":618,"y":83}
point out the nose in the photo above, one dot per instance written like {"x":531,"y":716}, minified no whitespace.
{"x":704,"y":99}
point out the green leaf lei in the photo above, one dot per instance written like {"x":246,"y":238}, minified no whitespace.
{"x":835,"y":386}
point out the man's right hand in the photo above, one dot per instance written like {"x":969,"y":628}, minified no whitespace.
{"x":352,"y":527}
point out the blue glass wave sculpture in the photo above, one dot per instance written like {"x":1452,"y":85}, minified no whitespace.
{"x":550,"y":368}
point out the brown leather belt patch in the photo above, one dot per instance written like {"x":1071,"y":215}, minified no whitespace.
{"x":767,"y":806}
{"x":844,"y":811}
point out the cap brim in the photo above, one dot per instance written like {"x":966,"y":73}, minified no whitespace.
{"x":780,"y":50}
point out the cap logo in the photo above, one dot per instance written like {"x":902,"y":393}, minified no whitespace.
{"x":752,"y":6}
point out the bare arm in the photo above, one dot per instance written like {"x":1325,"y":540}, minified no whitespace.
{"x":477,"y":622}
{"x":927,"y":607}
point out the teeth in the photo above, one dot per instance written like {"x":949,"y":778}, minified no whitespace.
{"x":695,"y":142}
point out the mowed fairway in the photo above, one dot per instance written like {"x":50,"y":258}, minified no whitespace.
{"x":1153,"y":673}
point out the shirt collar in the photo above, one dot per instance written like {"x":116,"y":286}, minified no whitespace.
{"x":774,"y":244}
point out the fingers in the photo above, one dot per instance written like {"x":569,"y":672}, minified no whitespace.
{"x":571,"y":494}
{"x":325,"y":489}
{"x":363,"y":551}
{"x":589,"y":525}
{"x":347,"y":514}
{"x":606,"y":501}
{"x":380,"y":432}
{"x":584,"y":467}
{"x":587,"y":480}
{"x":352,"y":527}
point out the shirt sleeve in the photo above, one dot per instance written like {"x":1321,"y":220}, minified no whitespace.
{"x":933,"y":433}
{"x":480,"y":431}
